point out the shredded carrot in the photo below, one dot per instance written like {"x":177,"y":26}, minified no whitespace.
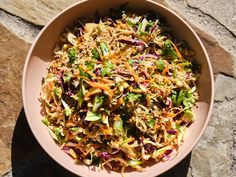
{"x":87,"y":71}
{"x":119,"y":103}
{"x":165,"y":70}
{"x":177,"y":50}
{"x":91,"y":92}
{"x":131,"y":70}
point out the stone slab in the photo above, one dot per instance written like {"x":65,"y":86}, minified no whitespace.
{"x":38,"y":12}
{"x":225,"y":88}
{"x":219,"y":41}
{"x":213,"y":155}
{"x":223,"y":11}
{"x":12,"y":56}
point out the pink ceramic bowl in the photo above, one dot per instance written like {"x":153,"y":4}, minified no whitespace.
{"x":41,"y":52}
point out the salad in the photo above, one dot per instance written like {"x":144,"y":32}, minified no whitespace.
{"x":120,"y":91}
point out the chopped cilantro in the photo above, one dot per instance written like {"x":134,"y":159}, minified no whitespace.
{"x":67,"y":76}
{"x":132,"y":97}
{"x":169,"y":50}
{"x":151,"y":122}
{"x":72,"y":53}
{"x":160,"y":65}
{"x":59,"y":134}
{"x":95,"y":54}
{"x":45,"y":121}
{"x":57,"y":91}
{"x":184,"y":98}
{"x":98,"y":101}
{"x":108,"y":66}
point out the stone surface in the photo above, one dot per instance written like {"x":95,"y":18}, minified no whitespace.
{"x":21,"y":28}
{"x":217,"y":37}
{"x":222,"y":61}
{"x":213,"y":156}
{"x":223,"y":11}
{"x":13,"y":53}
{"x":38,"y":12}
{"x":225,"y":88}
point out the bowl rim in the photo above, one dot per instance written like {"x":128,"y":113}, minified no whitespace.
{"x":148,"y":1}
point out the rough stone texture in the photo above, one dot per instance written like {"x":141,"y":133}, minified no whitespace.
{"x":216,"y":36}
{"x":222,"y":61}
{"x":225,"y":88}
{"x":21,"y":28}
{"x":13,"y":52}
{"x":213,"y":156}
{"x":38,"y":12}
{"x":222,"y":11}
{"x":213,"y":20}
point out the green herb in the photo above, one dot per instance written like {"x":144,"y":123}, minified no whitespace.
{"x":131,"y":62}
{"x":142,"y":27}
{"x":118,"y":127}
{"x":104,"y":48}
{"x":67,"y":108}
{"x":188,"y":114}
{"x":98,"y":101}
{"x":178,"y":127}
{"x":90,"y":65}
{"x":151,"y":122}
{"x":184,"y":98}
{"x":67,"y":76}
{"x":131,"y":97}
{"x":45,"y":121}
{"x":95,"y":54}
{"x":82,"y":73}
{"x":57,"y":91}
{"x":78,"y":139}
{"x":169,"y":50}
{"x":189,"y":100}
{"x":92,"y":117}
{"x":160,"y":65}
{"x":59,"y":134}
{"x":74,"y":129}
{"x":81,"y":94}
{"x":132,"y":24}
{"x":108,"y":66}
{"x":134,"y":162}
{"x":72,"y":53}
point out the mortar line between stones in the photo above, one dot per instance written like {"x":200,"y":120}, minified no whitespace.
{"x":22,"y":19}
{"x":210,"y":16}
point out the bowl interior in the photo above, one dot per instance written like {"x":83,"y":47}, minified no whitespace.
{"x":41,"y":52}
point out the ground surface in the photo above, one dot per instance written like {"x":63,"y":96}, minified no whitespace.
{"x":215,"y":23}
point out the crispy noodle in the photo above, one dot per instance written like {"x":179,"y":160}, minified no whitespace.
{"x":120,"y":92}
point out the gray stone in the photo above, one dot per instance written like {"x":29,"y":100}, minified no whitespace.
{"x":222,"y":11}
{"x":213,"y":156}
{"x":38,"y":12}
{"x":213,"y":28}
{"x":225,"y":88}
{"x":21,"y":28}
{"x":221,"y":60}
